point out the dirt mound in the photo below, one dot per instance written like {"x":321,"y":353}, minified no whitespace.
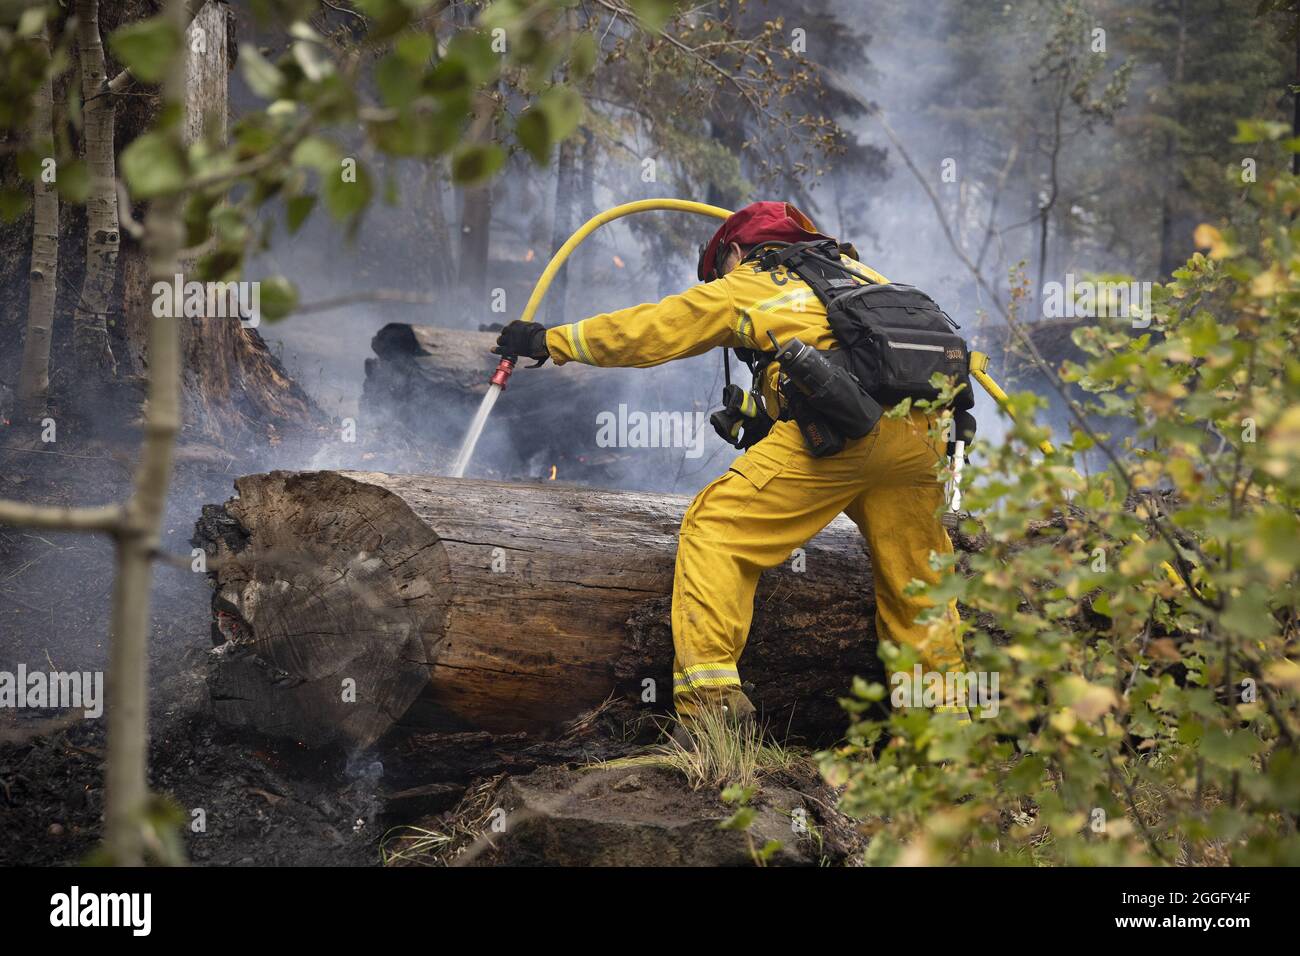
{"x":638,"y":813}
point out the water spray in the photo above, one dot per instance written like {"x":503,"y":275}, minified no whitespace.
{"x":501,"y":376}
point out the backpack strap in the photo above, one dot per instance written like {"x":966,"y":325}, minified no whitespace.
{"x":816,"y":263}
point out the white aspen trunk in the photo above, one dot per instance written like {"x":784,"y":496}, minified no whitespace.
{"x":103,"y":238}
{"x":127,"y":787}
{"x":34,"y":377}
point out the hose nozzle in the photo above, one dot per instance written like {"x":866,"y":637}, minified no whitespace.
{"x":501,"y":376}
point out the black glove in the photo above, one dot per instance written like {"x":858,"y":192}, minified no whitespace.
{"x":524,"y":340}
{"x":963,"y":429}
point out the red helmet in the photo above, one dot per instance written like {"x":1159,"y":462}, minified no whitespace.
{"x":757,"y":222}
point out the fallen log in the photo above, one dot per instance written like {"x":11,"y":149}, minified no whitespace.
{"x":430,"y":380}
{"x":604,"y":426}
{"x":343,"y":598}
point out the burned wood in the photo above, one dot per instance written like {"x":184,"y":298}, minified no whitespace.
{"x":429,"y":381}
{"x":344,"y":598}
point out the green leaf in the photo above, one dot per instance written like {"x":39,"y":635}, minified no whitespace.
{"x":653,"y":13}
{"x":735,"y":793}
{"x":318,"y":154}
{"x":472,"y":49}
{"x":1249,"y":615}
{"x":13,"y":203}
{"x":742,"y":819}
{"x":1026,"y":776}
{"x":278,"y":297}
{"x":146,"y":47}
{"x":398,"y":83}
{"x":73,"y":182}
{"x":388,"y":17}
{"x":554,"y":116}
{"x":297,"y":210}
{"x":582,"y":57}
{"x":415,"y":49}
{"x":315,"y":65}
{"x":31,"y":22}
{"x":346,"y":198}
{"x":153,"y":164}
{"x":195,"y":216}
{"x":475,"y":162}
{"x":1230,"y":751}
{"x":261,"y":75}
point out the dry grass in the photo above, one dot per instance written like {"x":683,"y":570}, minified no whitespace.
{"x":724,"y":754}
{"x":463,"y":827}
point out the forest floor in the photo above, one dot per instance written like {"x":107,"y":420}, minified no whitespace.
{"x":259,"y":801}
{"x":417,"y":798}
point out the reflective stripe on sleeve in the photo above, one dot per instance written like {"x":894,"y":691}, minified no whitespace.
{"x":577,"y":342}
{"x":580,"y":341}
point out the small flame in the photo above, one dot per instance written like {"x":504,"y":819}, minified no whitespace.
{"x":554,"y":471}
{"x":529,"y":256}
{"x":618,"y":261}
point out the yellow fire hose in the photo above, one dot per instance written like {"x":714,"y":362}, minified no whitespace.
{"x":501,"y":376}
{"x":594,"y":223}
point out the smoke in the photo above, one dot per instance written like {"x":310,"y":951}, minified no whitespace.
{"x":925,"y":92}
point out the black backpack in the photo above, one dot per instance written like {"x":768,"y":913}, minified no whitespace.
{"x":894,"y":336}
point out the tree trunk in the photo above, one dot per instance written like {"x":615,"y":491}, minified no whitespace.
{"x":587,"y":189}
{"x":562,"y":227}
{"x":476,"y":214}
{"x":1169,"y":258}
{"x":233,"y":385}
{"x":1295,"y":114}
{"x":137,"y":540}
{"x":236,"y":393}
{"x":343,"y":597}
{"x":442,"y":254}
{"x":95,"y":362}
{"x":34,"y":378}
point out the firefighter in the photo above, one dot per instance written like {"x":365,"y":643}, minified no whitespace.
{"x":776,"y":496}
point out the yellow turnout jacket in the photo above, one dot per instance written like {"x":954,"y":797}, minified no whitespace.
{"x":736,"y":311}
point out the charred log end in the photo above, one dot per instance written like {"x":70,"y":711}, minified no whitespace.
{"x":327,"y":601}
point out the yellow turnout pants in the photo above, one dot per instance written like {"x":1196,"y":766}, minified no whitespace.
{"x":774,"y":499}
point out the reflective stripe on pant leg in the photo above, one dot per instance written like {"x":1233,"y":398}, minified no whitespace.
{"x":772,"y":501}
{"x":699,"y":684}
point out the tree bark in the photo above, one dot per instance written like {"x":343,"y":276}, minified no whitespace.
{"x":137,"y":540}
{"x":94,"y":355}
{"x":1169,"y":258}
{"x":498,"y":607}
{"x":476,"y":214}
{"x":562,"y":227}
{"x":34,"y":377}
{"x":442,"y":254}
